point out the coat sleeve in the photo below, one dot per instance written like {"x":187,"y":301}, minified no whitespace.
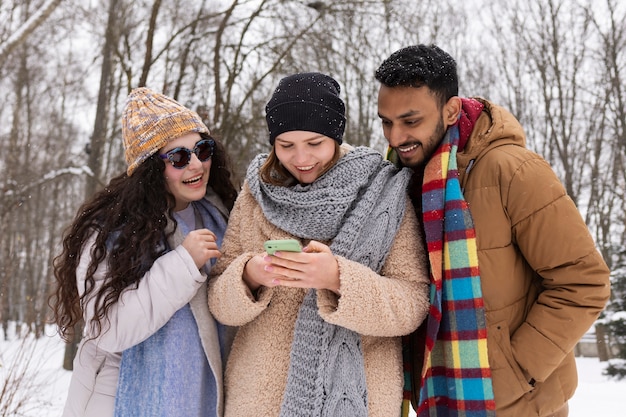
{"x":393,"y":303}
{"x":556,"y":243}
{"x":230,"y":300}
{"x":171,"y":282}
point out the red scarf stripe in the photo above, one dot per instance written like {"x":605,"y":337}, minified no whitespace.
{"x":434,"y":215}
{"x":461,"y":272}
{"x":434,"y":184}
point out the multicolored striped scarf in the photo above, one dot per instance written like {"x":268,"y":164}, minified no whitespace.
{"x":456,"y":378}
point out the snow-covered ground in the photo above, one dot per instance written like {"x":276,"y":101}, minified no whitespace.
{"x":36,"y":366}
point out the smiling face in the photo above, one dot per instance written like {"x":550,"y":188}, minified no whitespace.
{"x":189,"y":183}
{"x":413,"y":121}
{"x":306,"y":155}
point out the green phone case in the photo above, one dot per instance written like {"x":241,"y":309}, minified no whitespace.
{"x":287,"y":245}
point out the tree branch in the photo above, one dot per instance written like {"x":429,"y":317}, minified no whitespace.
{"x":27,"y":28}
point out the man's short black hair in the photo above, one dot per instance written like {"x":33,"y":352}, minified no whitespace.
{"x":421,"y":65}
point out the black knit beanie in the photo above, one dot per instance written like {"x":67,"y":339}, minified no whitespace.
{"x":308,"y":101}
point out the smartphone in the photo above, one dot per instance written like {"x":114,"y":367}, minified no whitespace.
{"x":287,"y":245}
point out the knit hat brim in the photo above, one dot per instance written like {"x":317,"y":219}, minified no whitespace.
{"x":151,"y":120}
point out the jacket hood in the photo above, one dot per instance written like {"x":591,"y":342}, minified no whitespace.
{"x":495,"y":127}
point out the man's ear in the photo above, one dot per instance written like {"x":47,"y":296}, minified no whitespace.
{"x":451,"y":110}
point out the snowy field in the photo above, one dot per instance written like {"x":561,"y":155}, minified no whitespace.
{"x":36,"y":369}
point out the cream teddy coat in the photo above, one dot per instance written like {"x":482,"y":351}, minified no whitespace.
{"x":379,"y":307}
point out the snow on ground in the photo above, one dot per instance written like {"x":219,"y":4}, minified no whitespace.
{"x":32,"y":369}
{"x":36,"y":368}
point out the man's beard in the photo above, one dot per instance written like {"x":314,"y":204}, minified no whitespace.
{"x":433,"y":141}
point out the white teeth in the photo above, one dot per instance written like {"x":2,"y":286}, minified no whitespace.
{"x":192,"y":180}
{"x":306,"y":168}
{"x":409,"y":149}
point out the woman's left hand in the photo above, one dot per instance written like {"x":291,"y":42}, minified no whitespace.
{"x":314,"y":267}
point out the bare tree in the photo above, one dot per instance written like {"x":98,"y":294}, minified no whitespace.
{"x":39,"y":162}
{"x":607,"y":197}
{"x":99,"y":136}
{"x":36,"y":19}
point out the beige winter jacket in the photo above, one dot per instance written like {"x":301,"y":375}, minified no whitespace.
{"x":379,"y":307}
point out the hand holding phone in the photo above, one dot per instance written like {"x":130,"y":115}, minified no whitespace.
{"x":318,"y":268}
{"x":286,"y":245}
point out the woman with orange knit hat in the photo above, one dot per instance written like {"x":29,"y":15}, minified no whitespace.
{"x":134,"y":266}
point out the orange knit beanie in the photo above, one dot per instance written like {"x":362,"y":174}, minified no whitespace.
{"x":150,"y":120}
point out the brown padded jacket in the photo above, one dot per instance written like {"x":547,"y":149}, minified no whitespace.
{"x":543,"y":280}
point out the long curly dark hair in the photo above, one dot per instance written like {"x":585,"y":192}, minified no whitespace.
{"x":129,"y":218}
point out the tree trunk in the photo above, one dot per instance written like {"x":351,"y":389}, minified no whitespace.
{"x":72,"y":347}
{"x":99,"y":129}
{"x":603,"y":349}
{"x":98,"y":138}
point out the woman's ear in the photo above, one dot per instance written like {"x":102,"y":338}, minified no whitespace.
{"x":451,"y":110}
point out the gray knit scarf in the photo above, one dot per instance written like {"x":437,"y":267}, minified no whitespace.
{"x":358,"y":205}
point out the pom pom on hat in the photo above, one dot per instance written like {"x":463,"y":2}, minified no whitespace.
{"x":150,"y":120}
{"x":307,"y":101}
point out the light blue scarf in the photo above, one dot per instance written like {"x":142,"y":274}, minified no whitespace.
{"x":168,"y":374}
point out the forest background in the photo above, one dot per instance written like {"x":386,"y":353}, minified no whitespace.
{"x":66,"y":67}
